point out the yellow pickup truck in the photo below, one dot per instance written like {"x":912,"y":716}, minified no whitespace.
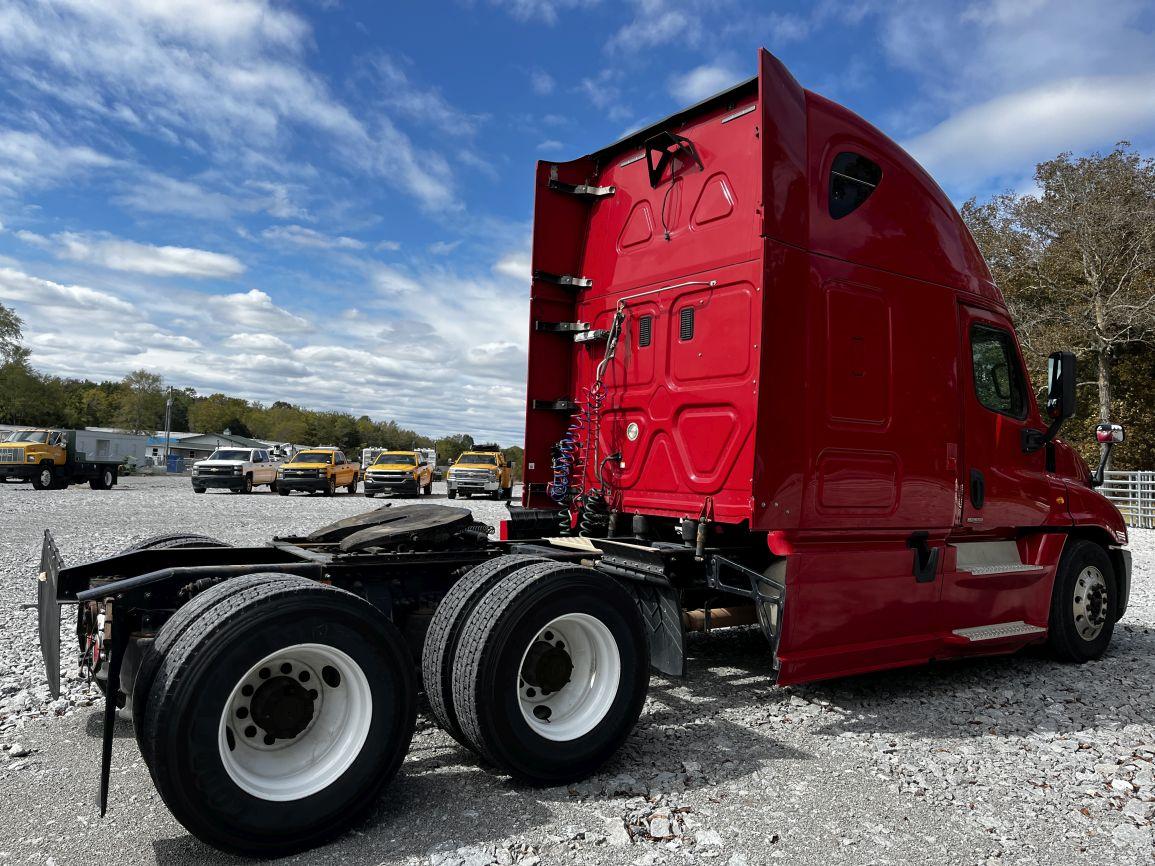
{"x":484,"y":472}
{"x":318,"y":470}
{"x":406,"y":472}
{"x":49,"y":459}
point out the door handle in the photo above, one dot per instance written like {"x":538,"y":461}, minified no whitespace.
{"x":978,"y":489}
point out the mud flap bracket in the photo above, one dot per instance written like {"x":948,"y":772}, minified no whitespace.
{"x":48,"y":611}
{"x":766,"y":589}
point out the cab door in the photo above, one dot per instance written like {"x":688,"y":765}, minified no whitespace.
{"x":1004,"y":488}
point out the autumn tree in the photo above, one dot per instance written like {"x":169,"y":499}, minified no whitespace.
{"x":1076,"y":260}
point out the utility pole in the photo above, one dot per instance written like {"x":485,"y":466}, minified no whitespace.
{"x":167,"y":425}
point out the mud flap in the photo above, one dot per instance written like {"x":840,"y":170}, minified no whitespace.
{"x":662,"y":613}
{"x":766,"y":589}
{"x":48,"y":611}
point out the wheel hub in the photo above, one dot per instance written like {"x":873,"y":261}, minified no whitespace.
{"x":547,"y":666}
{"x":1090,"y":603}
{"x":282,"y":707}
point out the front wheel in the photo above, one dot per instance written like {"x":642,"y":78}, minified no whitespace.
{"x":428,"y":489}
{"x":1084,"y":603}
{"x":452,"y":494}
{"x":551,"y":672}
{"x":330,"y":487}
{"x":352,"y":488}
{"x":246,"y":485}
{"x":282,"y":491}
{"x":278,"y":717}
{"x":45,"y":478}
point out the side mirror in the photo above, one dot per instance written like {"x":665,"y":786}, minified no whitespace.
{"x":1061,"y":376}
{"x":1109,"y":434}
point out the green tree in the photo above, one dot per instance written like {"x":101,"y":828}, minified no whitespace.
{"x":449,"y":447}
{"x":10,"y":334}
{"x":142,"y":403}
{"x":217,"y":413}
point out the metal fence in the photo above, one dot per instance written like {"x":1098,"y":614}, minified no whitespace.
{"x":1134,"y":495}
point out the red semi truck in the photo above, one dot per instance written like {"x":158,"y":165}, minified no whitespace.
{"x":770,"y":381}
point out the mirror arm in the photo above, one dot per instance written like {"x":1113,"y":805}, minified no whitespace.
{"x":1097,"y":478}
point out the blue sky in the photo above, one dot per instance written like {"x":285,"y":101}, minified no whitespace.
{"x":329,"y":202}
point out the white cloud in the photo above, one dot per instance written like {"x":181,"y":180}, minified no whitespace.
{"x":550,"y":145}
{"x":656,"y":23}
{"x":228,"y":80}
{"x":21,"y":288}
{"x":258,"y":343}
{"x":443,"y":248}
{"x":155,"y":193}
{"x":701,"y":82}
{"x":30,"y":161}
{"x":1014,"y":131}
{"x":515,"y":266}
{"x":547,"y":11}
{"x":303,"y":236}
{"x":254,"y":309}
{"x":123,"y":255}
{"x":393,"y":88}
{"x":541,"y":82}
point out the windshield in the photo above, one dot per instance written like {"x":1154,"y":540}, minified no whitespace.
{"x":396,"y":458}
{"x":314,"y":457}
{"x":28,"y":436}
{"x":477,"y":459}
{"x":229,"y":454}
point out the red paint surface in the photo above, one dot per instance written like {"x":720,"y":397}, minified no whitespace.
{"x":826,"y":396}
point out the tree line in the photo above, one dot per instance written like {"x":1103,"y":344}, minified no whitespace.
{"x":137,"y":403}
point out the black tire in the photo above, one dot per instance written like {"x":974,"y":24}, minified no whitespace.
{"x":452,"y":494}
{"x":1071,"y":636}
{"x":445,"y":627}
{"x":369,"y":495}
{"x":330,"y":486}
{"x":104,"y":482}
{"x":282,"y":491}
{"x":353,"y":487}
{"x":198,"y":490}
{"x":170,"y":632}
{"x":486,"y":671}
{"x":203,"y":667}
{"x":174,"y":540}
{"x":246,"y":485}
{"x":428,"y":489}
{"x":45,"y":479}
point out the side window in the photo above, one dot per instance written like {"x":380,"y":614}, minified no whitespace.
{"x":853,"y":178}
{"x":999,"y":383}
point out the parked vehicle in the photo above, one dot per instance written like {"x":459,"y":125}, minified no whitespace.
{"x":49,"y":459}
{"x":770,"y":381}
{"x":318,"y":470}
{"x":408,"y":473}
{"x":483,"y":470}
{"x":236,"y":469}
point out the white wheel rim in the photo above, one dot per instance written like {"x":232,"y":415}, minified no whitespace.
{"x":45,"y":477}
{"x":107,"y":478}
{"x":581,"y":702}
{"x":295,"y":766}
{"x":1089,"y":603}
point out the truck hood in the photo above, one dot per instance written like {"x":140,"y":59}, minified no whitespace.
{"x":392,"y":467}
{"x":219,"y":463}
{"x":305,"y":465}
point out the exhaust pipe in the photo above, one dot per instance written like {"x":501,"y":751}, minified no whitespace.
{"x":707,"y":619}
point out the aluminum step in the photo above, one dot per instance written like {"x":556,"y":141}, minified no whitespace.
{"x":997,"y":631}
{"x":1001,"y":568}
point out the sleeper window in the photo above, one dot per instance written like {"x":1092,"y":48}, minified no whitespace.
{"x":853,"y":178}
{"x":998,"y":378}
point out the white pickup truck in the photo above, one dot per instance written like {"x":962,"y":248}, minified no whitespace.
{"x":235,"y":469}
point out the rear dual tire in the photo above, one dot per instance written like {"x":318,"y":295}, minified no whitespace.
{"x":278,"y":715}
{"x":549,"y":672}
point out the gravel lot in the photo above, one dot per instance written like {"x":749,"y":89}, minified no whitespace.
{"x":1016,"y":760}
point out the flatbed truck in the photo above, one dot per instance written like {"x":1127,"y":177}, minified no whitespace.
{"x":49,"y":459}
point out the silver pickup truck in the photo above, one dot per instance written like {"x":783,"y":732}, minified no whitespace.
{"x":235,"y":469}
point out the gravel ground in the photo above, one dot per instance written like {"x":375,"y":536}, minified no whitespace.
{"x":995,"y":761}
